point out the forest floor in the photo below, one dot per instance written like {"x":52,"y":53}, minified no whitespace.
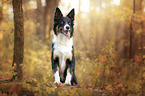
{"x":28,"y":89}
{"x":96,"y":77}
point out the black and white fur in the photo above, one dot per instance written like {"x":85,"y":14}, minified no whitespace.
{"x":63,"y":60}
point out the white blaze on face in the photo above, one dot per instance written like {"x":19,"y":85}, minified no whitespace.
{"x":65,"y":29}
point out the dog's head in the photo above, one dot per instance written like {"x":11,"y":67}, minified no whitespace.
{"x":64,"y":24}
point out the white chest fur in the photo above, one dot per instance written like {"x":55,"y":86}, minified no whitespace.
{"x":62,"y":49}
{"x":63,"y":44}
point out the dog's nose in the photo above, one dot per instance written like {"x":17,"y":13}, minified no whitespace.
{"x":67,"y":27}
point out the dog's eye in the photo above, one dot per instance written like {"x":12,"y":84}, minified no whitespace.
{"x":62,"y":22}
{"x":69,"y":22}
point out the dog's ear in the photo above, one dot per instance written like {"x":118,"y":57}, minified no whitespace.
{"x":58,"y":14}
{"x":71,"y":14}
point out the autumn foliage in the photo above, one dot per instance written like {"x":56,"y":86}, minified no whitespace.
{"x":104,"y":66}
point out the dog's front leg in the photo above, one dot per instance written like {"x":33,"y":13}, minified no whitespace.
{"x":56,"y":76}
{"x":68,"y":77}
{"x":55,"y":68}
{"x":69,"y":73}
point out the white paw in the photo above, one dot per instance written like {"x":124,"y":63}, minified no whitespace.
{"x":67,"y":83}
{"x":56,"y":82}
{"x":57,"y":78}
{"x":68,"y":79}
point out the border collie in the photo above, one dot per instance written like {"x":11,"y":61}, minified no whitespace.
{"x":62,"y":58}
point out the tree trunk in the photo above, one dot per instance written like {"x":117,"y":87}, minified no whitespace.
{"x":2,"y":12}
{"x":130,"y":47}
{"x":141,"y":35}
{"x":48,"y":15}
{"x":40,"y":27}
{"x":131,"y":32}
{"x":18,"y":38}
{"x":1,"y":15}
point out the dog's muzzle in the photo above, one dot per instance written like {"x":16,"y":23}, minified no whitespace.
{"x":65,"y":32}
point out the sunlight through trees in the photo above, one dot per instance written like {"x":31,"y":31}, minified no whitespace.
{"x":109,"y":47}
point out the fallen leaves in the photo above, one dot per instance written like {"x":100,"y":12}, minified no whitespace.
{"x":15,"y":88}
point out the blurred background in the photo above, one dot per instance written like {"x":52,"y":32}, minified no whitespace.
{"x":109,"y":42}
{"x":95,"y":22}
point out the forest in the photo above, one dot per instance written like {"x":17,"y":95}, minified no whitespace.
{"x":109,"y":43}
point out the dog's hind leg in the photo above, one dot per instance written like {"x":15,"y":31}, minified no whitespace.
{"x":74,"y":79}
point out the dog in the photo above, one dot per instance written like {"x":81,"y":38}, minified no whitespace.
{"x":62,"y":57}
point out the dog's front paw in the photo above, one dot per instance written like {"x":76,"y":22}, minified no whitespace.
{"x":68,"y":79}
{"x":57,"y":78}
{"x":56,"y":82}
{"x":67,"y":83}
